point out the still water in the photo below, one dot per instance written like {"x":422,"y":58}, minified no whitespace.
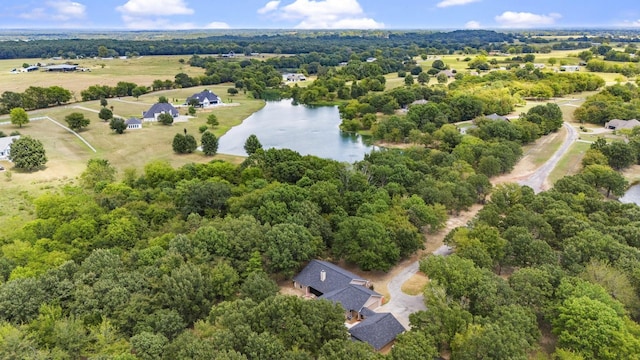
{"x":632,"y":195}
{"x":307,"y":130}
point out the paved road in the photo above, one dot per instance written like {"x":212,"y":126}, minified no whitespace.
{"x":401,"y":304}
{"x":537,"y":179}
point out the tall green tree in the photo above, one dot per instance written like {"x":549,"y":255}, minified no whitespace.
{"x":105,"y":114}
{"x":19,"y":116}
{"x":27,"y":153}
{"x":212,"y":120}
{"x":252,"y":144}
{"x":76,"y":121}
{"x":209,"y":143}
{"x":118,"y":125}
{"x":98,"y":170}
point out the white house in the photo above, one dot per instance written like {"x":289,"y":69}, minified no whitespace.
{"x":205,"y":98}
{"x":294,"y":77}
{"x":157,"y":109}
{"x":5,"y":146}
{"x":133,"y":123}
{"x":570,"y":68}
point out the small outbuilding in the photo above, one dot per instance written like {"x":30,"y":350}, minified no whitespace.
{"x":133,"y":123}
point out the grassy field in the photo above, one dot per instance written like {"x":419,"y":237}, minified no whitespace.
{"x":141,"y":70}
{"x":68,"y":155}
{"x":571,"y":162}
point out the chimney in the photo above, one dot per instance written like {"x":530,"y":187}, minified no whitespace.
{"x":323,"y":275}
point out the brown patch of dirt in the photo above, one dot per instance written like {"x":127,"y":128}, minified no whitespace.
{"x":416,"y":284}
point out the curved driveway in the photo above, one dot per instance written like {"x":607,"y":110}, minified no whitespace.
{"x":537,"y":179}
{"x":401,"y":304}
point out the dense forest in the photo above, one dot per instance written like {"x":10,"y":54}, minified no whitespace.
{"x":275,"y":43}
{"x":184,"y":263}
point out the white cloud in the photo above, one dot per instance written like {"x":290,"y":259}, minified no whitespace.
{"x":154,"y":14}
{"x":447,"y":3}
{"x":630,"y":23}
{"x":146,"y":8}
{"x":525,"y":19}
{"x":327,"y":14}
{"x":62,"y":10}
{"x":472,"y":25}
{"x":269,"y":7}
{"x":217,"y":25}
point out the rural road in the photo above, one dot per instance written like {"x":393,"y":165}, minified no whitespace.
{"x":401,"y":304}
{"x":537,"y":179}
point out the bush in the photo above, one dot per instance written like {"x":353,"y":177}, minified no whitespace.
{"x":203,"y":128}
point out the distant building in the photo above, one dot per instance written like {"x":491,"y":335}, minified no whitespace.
{"x":496,"y":117}
{"x":371,"y":59}
{"x":31,"y":68}
{"x":5,"y":146}
{"x":61,"y":68}
{"x":617,"y":124}
{"x":205,"y":98}
{"x":294,"y":77}
{"x":133,"y":123}
{"x":157,"y":109}
{"x":570,"y":68}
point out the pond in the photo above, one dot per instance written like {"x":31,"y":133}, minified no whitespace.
{"x":632,"y":195}
{"x":307,"y":130}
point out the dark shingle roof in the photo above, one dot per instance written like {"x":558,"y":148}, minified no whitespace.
{"x":159,"y":108}
{"x":206,"y":94}
{"x":377,"y":330}
{"x":336,"y":278}
{"x":352,"y":297}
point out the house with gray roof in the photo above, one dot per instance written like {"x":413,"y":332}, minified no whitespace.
{"x":205,"y":98}
{"x":325,"y":280}
{"x":354,"y":299}
{"x":5,"y":146}
{"x":321,"y":277}
{"x":379,"y":330}
{"x":157,"y":109}
{"x":61,"y":68}
{"x":497,"y":117}
{"x":617,"y":124}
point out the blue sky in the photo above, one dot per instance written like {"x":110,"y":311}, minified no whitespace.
{"x":316,"y":14}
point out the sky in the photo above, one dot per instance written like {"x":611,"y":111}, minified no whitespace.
{"x":316,"y":14}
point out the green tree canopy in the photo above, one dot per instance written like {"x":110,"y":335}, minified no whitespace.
{"x":252,"y":144}
{"x":165,"y":119}
{"x":76,"y":121}
{"x":27,"y":153}
{"x":105,"y":114}
{"x":118,"y":125}
{"x":19,"y":116}
{"x":209,"y":143}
